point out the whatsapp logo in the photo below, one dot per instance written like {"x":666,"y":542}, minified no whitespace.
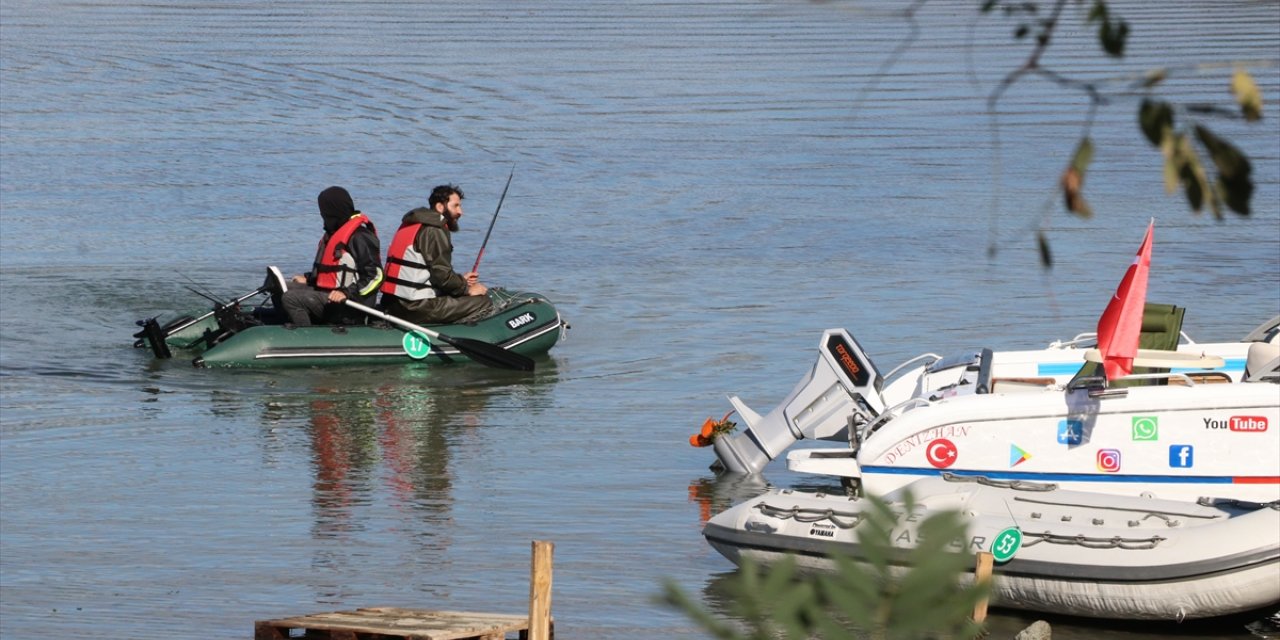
{"x":1146,"y":428}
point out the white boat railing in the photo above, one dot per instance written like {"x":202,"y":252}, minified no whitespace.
{"x":889,"y":376}
{"x":1091,"y":338}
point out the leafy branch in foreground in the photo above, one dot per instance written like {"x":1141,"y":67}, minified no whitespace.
{"x":1180,"y":146}
{"x":883,"y":592}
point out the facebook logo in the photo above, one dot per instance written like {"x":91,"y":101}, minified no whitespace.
{"x":1181,"y":455}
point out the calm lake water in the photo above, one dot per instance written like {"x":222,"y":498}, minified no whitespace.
{"x":701,"y":187}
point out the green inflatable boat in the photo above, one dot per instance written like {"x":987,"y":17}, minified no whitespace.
{"x":236,"y":334}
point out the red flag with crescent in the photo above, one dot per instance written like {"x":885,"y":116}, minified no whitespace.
{"x":1121,"y":324}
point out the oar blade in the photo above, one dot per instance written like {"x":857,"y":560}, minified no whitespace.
{"x":482,"y":352}
{"x":489,"y":354}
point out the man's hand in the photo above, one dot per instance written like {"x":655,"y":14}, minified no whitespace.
{"x":477,"y":289}
{"x":337,"y":296}
{"x":300,"y":279}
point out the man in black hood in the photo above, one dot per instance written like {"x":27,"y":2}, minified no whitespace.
{"x":348,"y":264}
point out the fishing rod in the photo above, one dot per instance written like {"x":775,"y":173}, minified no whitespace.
{"x":475,"y":268}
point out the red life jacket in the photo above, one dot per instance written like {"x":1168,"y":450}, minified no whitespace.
{"x":334,"y":267}
{"x":407,"y":275}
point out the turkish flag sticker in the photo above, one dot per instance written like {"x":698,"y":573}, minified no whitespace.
{"x":941,"y":453}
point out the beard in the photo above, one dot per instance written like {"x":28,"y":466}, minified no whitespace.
{"x":452,"y":223}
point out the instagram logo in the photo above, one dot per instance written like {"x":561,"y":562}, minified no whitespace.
{"x":1109,"y":460}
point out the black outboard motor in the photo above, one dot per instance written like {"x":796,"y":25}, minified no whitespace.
{"x":155,"y":336}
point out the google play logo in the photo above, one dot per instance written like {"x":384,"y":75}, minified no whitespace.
{"x":1017,"y":456}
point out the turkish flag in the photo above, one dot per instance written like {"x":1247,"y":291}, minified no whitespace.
{"x":1121,"y":324}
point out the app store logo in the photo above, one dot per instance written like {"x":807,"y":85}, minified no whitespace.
{"x":1070,"y":432}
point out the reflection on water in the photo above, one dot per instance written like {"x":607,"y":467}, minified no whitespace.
{"x":379,"y":456}
{"x":713,"y":494}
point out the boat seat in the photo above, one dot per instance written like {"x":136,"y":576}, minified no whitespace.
{"x":275,"y":283}
{"x":1201,"y":377}
{"x":1262,"y":362}
{"x":1013,"y":385}
{"x":1161,"y":331}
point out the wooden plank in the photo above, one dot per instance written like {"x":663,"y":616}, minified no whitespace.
{"x":397,"y":623}
{"x":982,"y":575}
{"x":540,"y":591}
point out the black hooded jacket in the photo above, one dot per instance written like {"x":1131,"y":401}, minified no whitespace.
{"x":336,"y":207}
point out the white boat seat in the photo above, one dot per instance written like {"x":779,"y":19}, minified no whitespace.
{"x":1013,"y":385}
{"x":1262,"y":362}
{"x":275,"y":283}
{"x":1157,"y":358}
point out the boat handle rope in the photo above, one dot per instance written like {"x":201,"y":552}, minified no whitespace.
{"x":1150,"y":513}
{"x":806,"y":515}
{"x":1274,"y":505}
{"x":1088,"y":542}
{"x":1020,"y":485}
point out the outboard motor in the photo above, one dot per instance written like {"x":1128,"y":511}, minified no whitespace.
{"x":154,"y":335}
{"x":842,"y":383}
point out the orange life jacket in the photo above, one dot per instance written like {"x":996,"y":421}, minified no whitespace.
{"x":334,"y":266}
{"x":407,"y":275}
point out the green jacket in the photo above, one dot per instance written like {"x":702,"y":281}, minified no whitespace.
{"x":451,"y":304}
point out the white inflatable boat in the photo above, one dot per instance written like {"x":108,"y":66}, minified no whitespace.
{"x":1068,"y":552}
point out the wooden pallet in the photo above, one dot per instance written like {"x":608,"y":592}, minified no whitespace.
{"x":388,"y":623}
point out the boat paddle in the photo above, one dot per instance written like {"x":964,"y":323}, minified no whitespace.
{"x":475,"y":268}
{"x":482,"y":352}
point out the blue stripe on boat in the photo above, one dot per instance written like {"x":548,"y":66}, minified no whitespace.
{"x":1057,"y":368}
{"x":1053,"y":477}
{"x":1069,"y":368}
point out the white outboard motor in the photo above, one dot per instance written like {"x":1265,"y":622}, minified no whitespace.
{"x":842,"y":383}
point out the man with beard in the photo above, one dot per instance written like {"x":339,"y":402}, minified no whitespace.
{"x":421,"y":285}
{"x":348,"y":264}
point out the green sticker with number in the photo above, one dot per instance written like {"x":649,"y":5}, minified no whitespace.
{"x":416,"y":345}
{"x":1005,"y":544}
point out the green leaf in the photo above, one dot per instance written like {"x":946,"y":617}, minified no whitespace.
{"x":1247,"y":95}
{"x":1215,"y":203}
{"x":1083,"y":156}
{"x":1155,"y":77}
{"x":1112,"y":36}
{"x":1156,"y":119}
{"x":1098,"y":12}
{"x":1073,"y":179}
{"x":1042,"y":243}
{"x":1192,"y":177}
{"x":1235,"y":181}
{"x":1172,"y":163}
{"x":1232,"y":164}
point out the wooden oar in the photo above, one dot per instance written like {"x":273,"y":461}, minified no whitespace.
{"x":482,"y":352}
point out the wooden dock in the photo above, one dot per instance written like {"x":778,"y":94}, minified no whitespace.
{"x":385,"y":623}
{"x":391,"y":623}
